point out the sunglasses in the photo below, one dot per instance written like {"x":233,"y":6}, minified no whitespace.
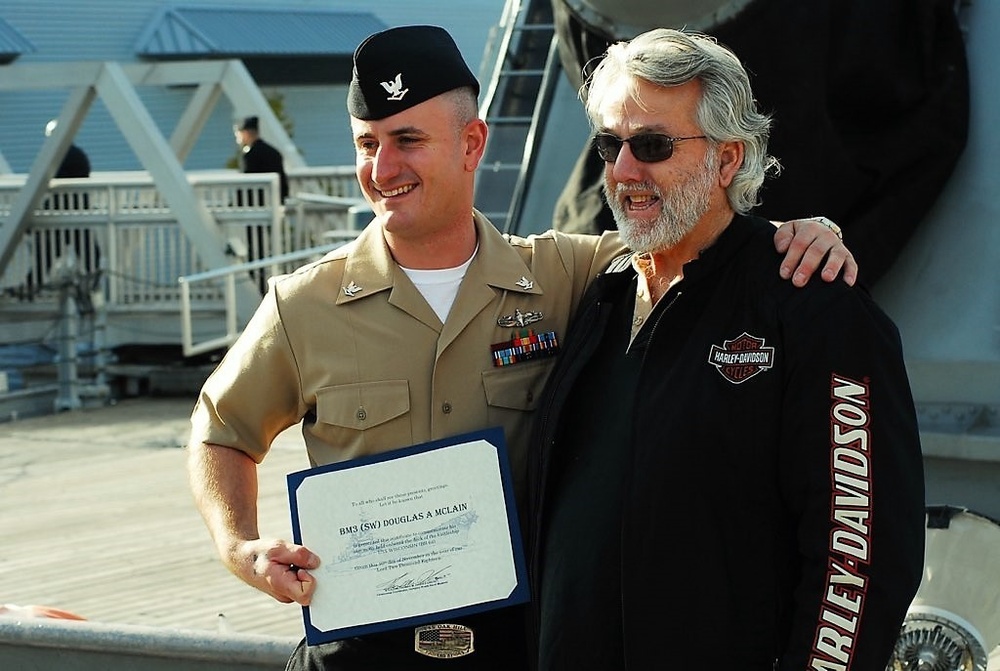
{"x":646,"y":147}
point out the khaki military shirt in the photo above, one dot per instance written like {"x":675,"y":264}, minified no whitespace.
{"x":348,"y":346}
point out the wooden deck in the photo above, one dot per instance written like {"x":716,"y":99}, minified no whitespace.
{"x":96,"y":518}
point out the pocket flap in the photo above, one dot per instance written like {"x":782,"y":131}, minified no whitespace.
{"x":363,"y":405}
{"x":517,"y":387}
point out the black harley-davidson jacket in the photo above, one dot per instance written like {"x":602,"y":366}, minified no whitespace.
{"x":772,"y":507}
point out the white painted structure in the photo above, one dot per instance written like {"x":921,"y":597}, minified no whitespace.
{"x":117,"y":234}
{"x":185,"y":221}
{"x":69,"y":31}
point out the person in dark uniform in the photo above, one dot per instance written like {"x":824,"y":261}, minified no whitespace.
{"x":258,"y":155}
{"x":75,"y":163}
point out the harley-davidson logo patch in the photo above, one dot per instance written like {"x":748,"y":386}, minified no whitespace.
{"x":741,"y":358}
{"x":443,"y":641}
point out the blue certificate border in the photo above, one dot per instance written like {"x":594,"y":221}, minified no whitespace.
{"x":521,"y":594}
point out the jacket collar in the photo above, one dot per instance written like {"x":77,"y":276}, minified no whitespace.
{"x":728,"y":244}
{"x":498,"y":264}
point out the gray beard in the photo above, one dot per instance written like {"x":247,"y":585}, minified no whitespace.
{"x":680,"y":210}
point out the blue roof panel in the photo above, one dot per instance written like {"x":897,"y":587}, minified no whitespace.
{"x":12,"y":42}
{"x":211,"y":31}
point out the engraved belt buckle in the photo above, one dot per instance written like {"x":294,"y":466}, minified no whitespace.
{"x":443,"y":641}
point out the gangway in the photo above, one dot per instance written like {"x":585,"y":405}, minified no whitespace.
{"x":516,"y":105}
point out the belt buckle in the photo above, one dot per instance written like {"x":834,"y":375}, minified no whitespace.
{"x":443,"y":641}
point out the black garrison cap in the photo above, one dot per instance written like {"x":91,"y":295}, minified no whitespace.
{"x":401,"y":67}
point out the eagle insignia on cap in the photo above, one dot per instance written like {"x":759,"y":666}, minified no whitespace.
{"x":395,"y":88}
{"x":428,"y":55}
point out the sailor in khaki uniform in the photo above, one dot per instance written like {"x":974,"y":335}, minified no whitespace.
{"x":403,"y":336}
{"x":350,"y":347}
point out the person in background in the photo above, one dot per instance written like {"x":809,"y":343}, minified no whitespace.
{"x":75,"y":163}
{"x":388,"y":341}
{"x":80,"y":242}
{"x":259,"y":156}
{"x":728,"y":469}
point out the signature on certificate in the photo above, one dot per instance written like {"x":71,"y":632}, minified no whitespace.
{"x":406,"y":581}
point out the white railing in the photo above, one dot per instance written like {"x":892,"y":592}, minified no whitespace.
{"x":327,"y":180}
{"x":117,"y":232}
{"x":224,"y":280}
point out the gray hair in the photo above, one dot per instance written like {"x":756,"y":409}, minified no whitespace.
{"x":727,"y":110}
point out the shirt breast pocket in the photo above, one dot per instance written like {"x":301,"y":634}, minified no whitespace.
{"x":517,"y":387}
{"x":365,"y":417}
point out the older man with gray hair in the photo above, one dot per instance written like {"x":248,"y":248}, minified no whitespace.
{"x":727,"y":472}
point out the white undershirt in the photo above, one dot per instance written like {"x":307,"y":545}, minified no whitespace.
{"x":439,"y":287}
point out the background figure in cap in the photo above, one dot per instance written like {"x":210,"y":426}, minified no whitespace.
{"x":388,"y":341}
{"x":258,"y":155}
{"x":85,"y":250}
{"x":75,"y":163}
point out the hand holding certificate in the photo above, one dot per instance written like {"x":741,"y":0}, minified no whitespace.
{"x":409,"y":537}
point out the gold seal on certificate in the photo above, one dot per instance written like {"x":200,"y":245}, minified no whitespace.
{"x":409,"y":537}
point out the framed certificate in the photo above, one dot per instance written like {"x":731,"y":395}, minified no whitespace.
{"x":410,"y":537}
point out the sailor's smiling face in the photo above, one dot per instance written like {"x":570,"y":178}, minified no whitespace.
{"x":416,"y":168}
